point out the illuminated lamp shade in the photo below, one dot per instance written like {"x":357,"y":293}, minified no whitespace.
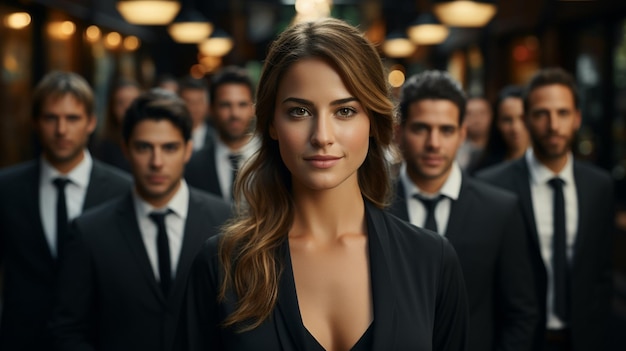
{"x":397,"y":46}
{"x":218,"y":45}
{"x":17,"y":20}
{"x":148,"y":12}
{"x":190,"y":27}
{"x":427,"y":30}
{"x":464,"y":13}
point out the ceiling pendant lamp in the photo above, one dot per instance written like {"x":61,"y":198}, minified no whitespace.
{"x":217,"y":45}
{"x":190,"y":27}
{"x":464,"y":13}
{"x":397,"y":45}
{"x":148,"y":12}
{"x":427,"y":30}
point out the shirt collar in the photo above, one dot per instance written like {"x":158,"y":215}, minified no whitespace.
{"x":79,"y":175}
{"x":540,"y":174}
{"x":451,"y":188}
{"x":179,"y":204}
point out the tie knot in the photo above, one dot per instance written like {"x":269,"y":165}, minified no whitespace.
{"x":60,"y":183}
{"x":234,"y":160}
{"x":429,"y":203}
{"x":159,"y":217}
{"x":556,"y":183}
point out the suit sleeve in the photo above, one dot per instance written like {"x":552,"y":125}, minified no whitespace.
{"x":451,"y":327}
{"x":517,"y":312}
{"x":71,"y":326}
{"x":200,"y":329}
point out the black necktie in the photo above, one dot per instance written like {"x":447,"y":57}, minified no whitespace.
{"x":559,"y":253}
{"x":61,"y":222}
{"x":430,"y":204}
{"x":234,"y":164}
{"x":163,"y":250}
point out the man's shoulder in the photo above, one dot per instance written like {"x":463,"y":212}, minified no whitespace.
{"x":489,"y":193}
{"x":101,"y":215}
{"x":18,"y":171}
{"x":592,"y":171}
{"x":112,"y":173}
{"x":208,"y":201}
{"x":497,"y":171}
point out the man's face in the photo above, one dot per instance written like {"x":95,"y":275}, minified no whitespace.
{"x":477,"y":118}
{"x":552,"y":120}
{"x":197,"y":101}
{"x":157,"y":152}
{"x":232,"y":111}
{"x":429,"y":140}
{"x":64,"y":126}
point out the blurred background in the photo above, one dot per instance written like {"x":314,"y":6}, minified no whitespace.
{"x":484,"y":44}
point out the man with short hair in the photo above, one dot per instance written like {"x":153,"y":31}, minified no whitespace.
{"x":477,"y":122}
{"x":196,"y":96}
{"x":122,"y":281}
{"x":568,"y":209}
{"x":39,"y":197}
{"x":214,"y":168}
{"x":481,"y":222}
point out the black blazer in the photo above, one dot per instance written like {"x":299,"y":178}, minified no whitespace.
{"x":591,"y":266}
{"x":418,"y":296}
{"x":201,"y":170}
{"x":487,"y":232}
{"x":29,"y":268}
{"x":108,"y":297}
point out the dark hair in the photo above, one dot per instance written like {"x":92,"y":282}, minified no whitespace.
{"x":57,"y":84}
{"x":190,"y":83}
{"x":157,"y":104}
{"x":230,"y":75}
{"x":438,"y":85}
{"x":551,"y":76}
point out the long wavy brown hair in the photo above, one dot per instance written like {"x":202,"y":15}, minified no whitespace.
{"x":249,"y":246}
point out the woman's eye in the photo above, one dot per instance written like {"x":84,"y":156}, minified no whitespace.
{"x":346,"y":112}
{"x":298,"y":111}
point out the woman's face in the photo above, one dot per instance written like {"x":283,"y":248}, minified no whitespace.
{"x":321,"y":128}
{"x":122,"y":99}
{"x":510,"y":123}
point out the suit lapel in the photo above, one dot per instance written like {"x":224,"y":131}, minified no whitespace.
{"x":128,"y":226}
{"x":582,"y":192}
{"x":399,"y":206}
{"x":30,"y":191}
{"x":522,"y":188}
{"x":458,"y":210}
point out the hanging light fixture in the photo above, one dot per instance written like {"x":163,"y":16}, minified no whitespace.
{"x":148,"y":12}
{"x":397,"y":45}
{"x":217,"y":45}
{"x":427,"y":30}
{"x":190,"y":27}
{"x":464,"y":13}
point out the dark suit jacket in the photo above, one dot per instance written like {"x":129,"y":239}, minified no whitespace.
{"x":29,"y":267}
{"x":108,"y":297}
{"x":418,"y":296}
{"x":591,"y":265}
{"x":487,"y":232}
{"x":201,"y":170}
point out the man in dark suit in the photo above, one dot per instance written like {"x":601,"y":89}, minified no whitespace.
{"x":123,"y":276}
{"x":38,"y":197}
{"x":481,"y":222}
{"x":214,"y":168}
{"x":568,"y":209}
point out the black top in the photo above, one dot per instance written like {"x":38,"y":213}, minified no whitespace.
{"x":363,"y":344}
{"x":418,"y":297}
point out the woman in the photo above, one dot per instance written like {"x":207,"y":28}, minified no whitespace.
{"x":311,"y":262}
{"x":109,"y":150}
{"x":508,"y":138}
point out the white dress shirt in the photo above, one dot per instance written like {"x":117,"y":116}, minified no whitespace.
{"x":223,"y":165}
{"x":417,"y":211}
{"x":543,"y":199}
{"x":75,"y":192}
{"x":174,"y":223}
{"x":198,"y":136}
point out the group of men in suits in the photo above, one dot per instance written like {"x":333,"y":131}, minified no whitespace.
{"x":535,"y":244}
{"x":114,"y":278}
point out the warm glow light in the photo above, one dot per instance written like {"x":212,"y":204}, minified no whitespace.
{"x":148,"y":12}
{"x":210,"y":63}
{"x":190,"y":32}
{"x":398,"y":47}
{"x":61,"y":30}
{"x":310,"y":10}
{"x":17,"y":20}
{"x":197,"y":71}
{"x":93,"y":33}
{"x":10,"y":63}
{"x":464,"y":13}
{"x":131,"y":43}
{"x":113,"y":40}
{"x":218,"y":46}
{"x":396,"y":78}
{"x":428,"y":34}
